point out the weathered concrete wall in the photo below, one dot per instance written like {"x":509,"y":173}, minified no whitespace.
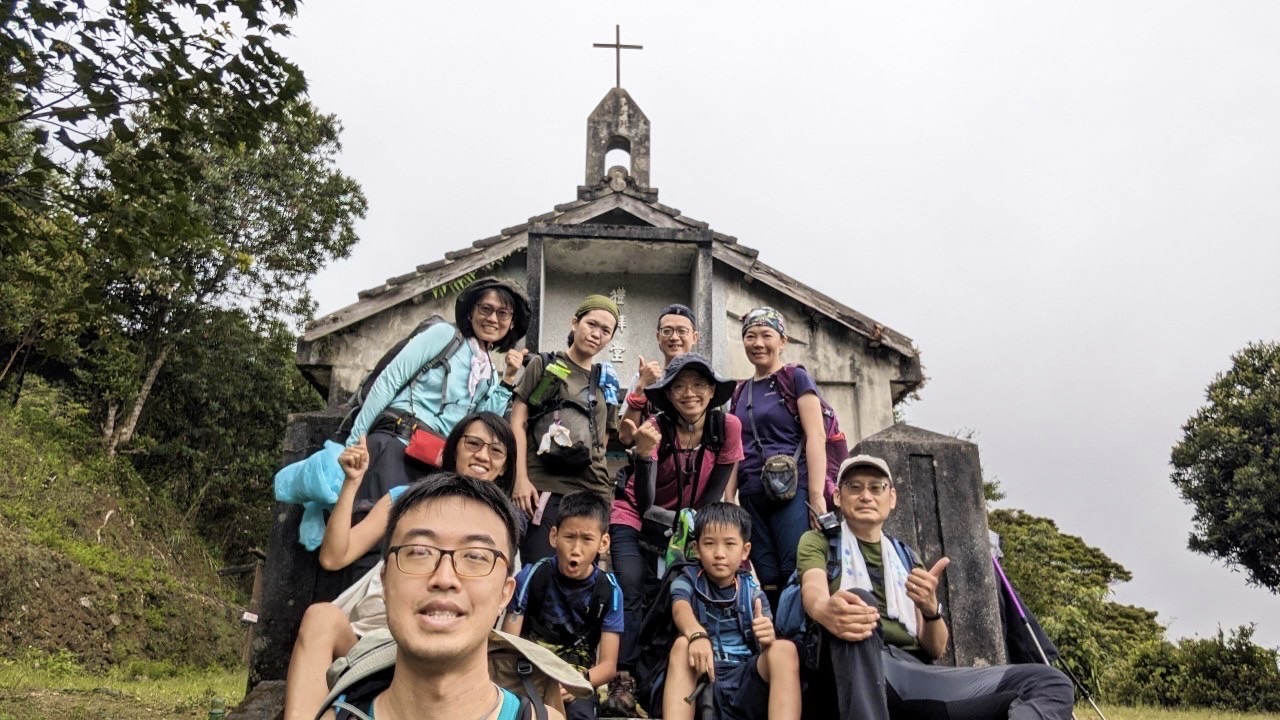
{"x":617,"y":123}
{"x":854,"y":377}
{"x":941,"y":511}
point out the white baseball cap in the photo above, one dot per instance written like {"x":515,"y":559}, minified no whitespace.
{"x":864,"y":461}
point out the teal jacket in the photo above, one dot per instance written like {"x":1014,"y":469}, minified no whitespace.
{"x":440,"y":408}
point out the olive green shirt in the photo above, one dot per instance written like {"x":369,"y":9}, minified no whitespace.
{"x":595,"y":477}
{"x":811,"y":554}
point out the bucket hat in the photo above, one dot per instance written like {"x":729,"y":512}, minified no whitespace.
{"x":520,"y":313}
{"x":657,"y":392}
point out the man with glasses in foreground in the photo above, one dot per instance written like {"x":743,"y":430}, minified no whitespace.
{"x":446,"y":576}
{"x":881,"y":624}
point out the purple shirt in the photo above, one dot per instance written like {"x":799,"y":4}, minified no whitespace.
{"x":780,"y":431}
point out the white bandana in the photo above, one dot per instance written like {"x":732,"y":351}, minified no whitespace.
{"x":481,"y":367}
{"x":853,"y":574}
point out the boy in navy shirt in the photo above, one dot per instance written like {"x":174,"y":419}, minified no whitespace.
{"x":726,"y":630}
{"x":567,"y":603}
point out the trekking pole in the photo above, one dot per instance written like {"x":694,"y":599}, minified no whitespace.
{"x":1026,"y":623}
{"x":693,"y":696}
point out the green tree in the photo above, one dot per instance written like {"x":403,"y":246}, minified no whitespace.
{"x":262,"y":220}
{"x":1225,"y":671}
{"x":214,"y":427}
{"x":79,"y":71}
{"x":1227,"y":466}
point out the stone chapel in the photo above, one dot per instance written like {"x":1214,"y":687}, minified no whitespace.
{"x":616,"y":238}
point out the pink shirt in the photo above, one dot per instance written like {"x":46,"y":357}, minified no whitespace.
{"x":624,"y":509}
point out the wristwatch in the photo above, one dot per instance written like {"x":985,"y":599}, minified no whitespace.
{"x":937,"y":614}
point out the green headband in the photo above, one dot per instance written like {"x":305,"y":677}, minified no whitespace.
{"x":597,"y":302}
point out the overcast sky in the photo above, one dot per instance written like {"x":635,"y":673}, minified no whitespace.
{"x":1072,"y":208}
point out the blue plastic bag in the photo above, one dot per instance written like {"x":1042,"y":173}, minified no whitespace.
{"x":313,"y":483}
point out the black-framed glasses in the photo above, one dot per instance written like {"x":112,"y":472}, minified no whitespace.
{"x":485,"y":310}
{"x":472,"y":443}
{"x":473,"y":562}
{"x":667,"y":332}
{"x":876,"y":488}
{"x":701,"y":387}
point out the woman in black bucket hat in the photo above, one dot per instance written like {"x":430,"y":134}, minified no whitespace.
{"x":684,"y":457}
{"x":441,"y":375}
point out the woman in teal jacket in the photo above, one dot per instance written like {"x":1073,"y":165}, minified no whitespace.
{"x":491,"y":315}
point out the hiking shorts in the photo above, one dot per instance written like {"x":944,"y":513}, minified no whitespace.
{"x":740,"y":692}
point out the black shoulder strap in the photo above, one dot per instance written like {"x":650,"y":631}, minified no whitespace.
{"x":713,"y":430}
{"x":601,"y":601}
{"x":441,"y":359}
{"x":601,"y":597}
{"x":532,"y":706}
{"x":536,"y":589}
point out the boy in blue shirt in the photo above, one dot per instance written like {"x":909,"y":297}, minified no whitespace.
{"x":567,"y":603}
{"x":731,"y":641}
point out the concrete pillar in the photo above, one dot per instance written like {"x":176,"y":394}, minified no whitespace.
{"x":941,"y":511}
{"x":292,"y":578}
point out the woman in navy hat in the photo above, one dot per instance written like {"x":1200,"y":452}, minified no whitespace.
{"x":684,"y":457}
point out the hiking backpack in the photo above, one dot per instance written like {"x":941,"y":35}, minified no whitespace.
{"x":535,"y":592}
{"x":562,"y":460}
{"x":790,"y":620}
{"x":658,"y":630}
{"x":837,"y":443}
{"x":355,"y":403}
{"x":533,"y":673}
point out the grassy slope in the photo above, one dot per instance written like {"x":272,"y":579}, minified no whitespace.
{"x":29,"y":693}
{"x":92,"y":575}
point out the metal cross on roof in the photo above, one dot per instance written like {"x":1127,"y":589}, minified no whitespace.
{"x":618,"y":47}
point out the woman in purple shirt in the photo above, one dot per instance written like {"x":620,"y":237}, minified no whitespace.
{"x":768,"y":429}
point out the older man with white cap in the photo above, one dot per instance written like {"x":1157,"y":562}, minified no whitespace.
{"x":881,"y":623}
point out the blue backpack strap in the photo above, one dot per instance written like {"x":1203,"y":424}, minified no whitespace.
{"x":538,"y":575}
{"x":905,"y":553}
{"x":833,"y":557}
{"x":746,"y":607}
{"x":510,"y":709}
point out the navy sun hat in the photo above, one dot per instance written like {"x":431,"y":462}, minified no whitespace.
{"x":677,"y":309}
{"x":657,"y":392}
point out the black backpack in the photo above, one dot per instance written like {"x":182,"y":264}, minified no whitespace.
{"x":535,"y":592}
{"x":576,"y":458}
{"x":356,"y":402}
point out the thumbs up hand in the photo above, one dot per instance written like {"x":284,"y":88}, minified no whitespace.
{"x":646,"y":437}
{"x":513,"y":363}
{"x":650,"y":373}
{"x":354,"y":460}
{"x":761,"y":625}
{"x":922,"y":586}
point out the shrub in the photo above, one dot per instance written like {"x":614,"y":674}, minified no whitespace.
{"x":1228,"y":672}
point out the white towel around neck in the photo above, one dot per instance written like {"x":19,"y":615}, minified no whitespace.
{"x":853,"y":574}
